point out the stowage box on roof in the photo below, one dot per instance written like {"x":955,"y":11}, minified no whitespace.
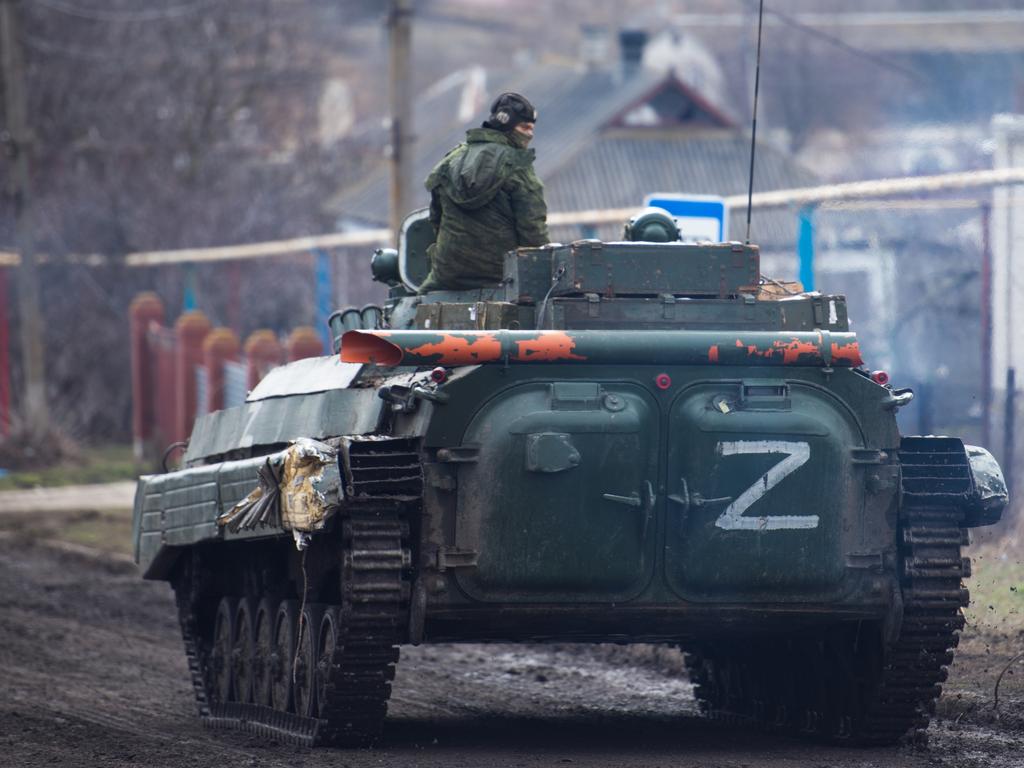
{"x":607,"y":269}
{"x":804,"y":313}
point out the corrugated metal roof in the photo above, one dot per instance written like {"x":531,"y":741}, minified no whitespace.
{"x":619,"y":169}
{"x":572,"y":106}
{"x":584,"y":167}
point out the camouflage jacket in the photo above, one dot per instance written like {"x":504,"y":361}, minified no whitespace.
{"x":485,"y":200}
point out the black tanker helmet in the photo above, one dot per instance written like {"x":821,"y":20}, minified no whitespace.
{"x":509,"y":110}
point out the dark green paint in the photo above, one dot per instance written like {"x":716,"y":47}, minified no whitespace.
{"x":277,"y":421}
{"x":536,"y":540}
{"x":705,"y":562}
{"x":624,"y":269}
{"x":553,"y":536}
{"x":581,"y":499}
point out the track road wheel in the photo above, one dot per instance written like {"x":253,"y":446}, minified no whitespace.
{"x":221,"y":652}
{"x":263,"y":637}
{"x":283,"y":655}
{"x":244,"y":650}
{"x":304,"y":669}
{"x":328,"y":639}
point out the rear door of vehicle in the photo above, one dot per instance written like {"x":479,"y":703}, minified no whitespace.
{"x":760,"y":488}
{"x":559,"y":503}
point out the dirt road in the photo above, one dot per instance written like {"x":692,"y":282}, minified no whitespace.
{"x":69,"y":498}
{"x":93,"y":674}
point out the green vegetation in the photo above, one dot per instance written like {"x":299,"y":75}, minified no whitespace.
{"x":100,"y":464}
{"x":997,"y":589}
{"x":108,"y":531}
{"x":101,"y":530}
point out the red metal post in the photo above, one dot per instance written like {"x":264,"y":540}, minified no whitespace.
{"x":191,"y":329}
{"x":262,"y":352}
{"x":164,"y":343}
{"x":219,"y":346}
{"x":145,"y":310}
{"x":304,"y":342}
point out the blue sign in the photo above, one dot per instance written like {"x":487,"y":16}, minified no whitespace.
{"x":700,"y":217}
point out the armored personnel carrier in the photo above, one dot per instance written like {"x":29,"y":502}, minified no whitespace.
{"x":623,"y":442}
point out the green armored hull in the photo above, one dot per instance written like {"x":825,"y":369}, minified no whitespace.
{"x":625,"y":442}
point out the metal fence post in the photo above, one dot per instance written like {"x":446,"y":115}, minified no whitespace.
{"x":1010,"y":433}
{"x":146,"y":309}
{"x":805,"y":246}
{"x":190,"y":329}
{"x":324,"y":297}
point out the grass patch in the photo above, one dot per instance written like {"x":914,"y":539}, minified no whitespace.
{"x":99,"y":464}
{"x":997,"y":591}
{"x":993,"y":636}
{"x":103,"y":530}
{"x":109,"y":531}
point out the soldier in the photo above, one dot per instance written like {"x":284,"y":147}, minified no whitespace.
{"x":485,"y":199}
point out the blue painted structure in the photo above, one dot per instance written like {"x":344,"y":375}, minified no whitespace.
{"x":805,"y":246}
{"x":705,"y":212}
{"x":324,"y":297}
{"x":189,"y":300}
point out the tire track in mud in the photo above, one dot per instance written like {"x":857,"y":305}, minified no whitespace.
{"x":571,"y":681}
{"x":92,"y":672}
{"x":73,"y":655}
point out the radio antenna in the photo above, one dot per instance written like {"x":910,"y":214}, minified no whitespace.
{"x":753,"y":130}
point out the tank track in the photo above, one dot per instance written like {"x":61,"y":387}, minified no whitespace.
{"x":374,"y":617}
{"x":841,"y":685}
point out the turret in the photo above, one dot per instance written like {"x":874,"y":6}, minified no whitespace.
{"x":649,"y":281}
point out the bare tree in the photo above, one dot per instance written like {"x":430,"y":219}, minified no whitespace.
{"x":184,"y":124}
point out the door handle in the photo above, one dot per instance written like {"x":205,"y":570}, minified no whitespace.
{"x":636,"y":502}
{"x":633,"y":500}
{"x":688,"y":500}
{"x":650,"y":497}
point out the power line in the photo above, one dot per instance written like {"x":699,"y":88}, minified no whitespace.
{"x":880,"y":188}
{"x":877,"y":189}
{"x":973,"y":30}
{"x":129,"y":17}
{"x":59,"y":49}
{"x":880,"y":61}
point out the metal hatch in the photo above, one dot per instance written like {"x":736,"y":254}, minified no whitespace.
{"x":559,"y":502}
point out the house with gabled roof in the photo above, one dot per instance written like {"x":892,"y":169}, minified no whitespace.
{"x":606,"y":137}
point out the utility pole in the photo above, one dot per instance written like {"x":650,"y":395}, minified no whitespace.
{"x":400,"y":49}
{"x":17,"y":138}
{"x":34,"y":410}
{"x":986,"y":322}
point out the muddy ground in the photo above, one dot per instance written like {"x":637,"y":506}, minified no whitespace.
{"x":92,"y":674}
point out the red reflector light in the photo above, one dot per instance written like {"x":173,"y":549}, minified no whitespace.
{"x":880,"y":377}
{"x":439,"y":375}
{"x":663,"y":381}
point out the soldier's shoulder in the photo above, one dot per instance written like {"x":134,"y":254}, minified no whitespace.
{"x":520,"y":166}
{"x":492,"y":158}
{"x":524,"y":158}
{"x":441,"y":169}
{"x":456,"y":151}
{"x":491,"y":148}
